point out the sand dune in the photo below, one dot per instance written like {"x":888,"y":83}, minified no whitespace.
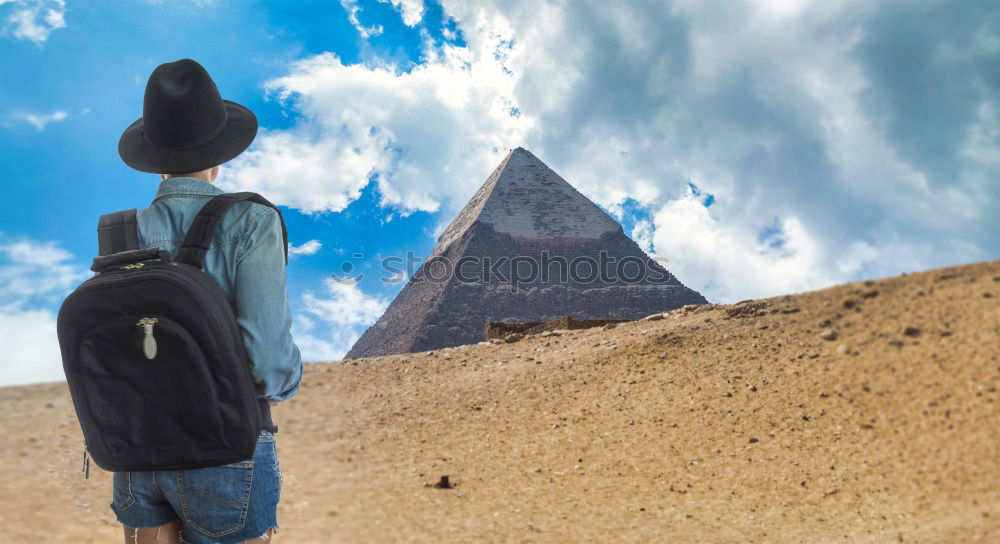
{"x":735,"y":423}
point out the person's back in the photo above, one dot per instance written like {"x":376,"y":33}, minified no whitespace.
{"x":185,"y":133}
{"x":246,"y":259}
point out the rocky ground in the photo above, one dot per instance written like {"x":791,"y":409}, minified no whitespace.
{"x":866,"y":412}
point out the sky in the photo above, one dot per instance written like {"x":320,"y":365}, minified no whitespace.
{"x":761,"y":147}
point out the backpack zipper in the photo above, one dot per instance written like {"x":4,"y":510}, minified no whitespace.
{"x":148,"y":340}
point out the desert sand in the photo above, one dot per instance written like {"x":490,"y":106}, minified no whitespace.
{"x":741,"y":423}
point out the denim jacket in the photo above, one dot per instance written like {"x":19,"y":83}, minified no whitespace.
{"x":246,"y":259}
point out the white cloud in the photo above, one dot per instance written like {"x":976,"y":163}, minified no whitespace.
{"x":983,"y":141}
{"x":306,"y":248}
{"x":36,"y":270}
{"x":411,"y":11}
{"x":726,"y":262}
{"x":345,"y":310}
{"x":731,"y":258}
{"x":307,"y":168}
{"x":34,"y":20}
{"x":642,"y":233}
{"x":41,"y":120}
{"x":31,"y":347}
{"x":345,"y":305}
{"x":33,"y":276}
{"x":314,"y":346}
{"x":424,"y":135}
{"x":766,"y":104}
{"x":352,"y":9}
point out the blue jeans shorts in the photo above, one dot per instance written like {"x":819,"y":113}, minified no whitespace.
{"x":216,"y":505}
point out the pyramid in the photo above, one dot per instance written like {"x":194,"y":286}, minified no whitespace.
{"x":481,"y":269}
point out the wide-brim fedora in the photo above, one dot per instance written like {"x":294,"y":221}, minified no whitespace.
{"x":185,"y":126}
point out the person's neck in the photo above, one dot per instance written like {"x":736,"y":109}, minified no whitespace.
{"x":202,"y":177}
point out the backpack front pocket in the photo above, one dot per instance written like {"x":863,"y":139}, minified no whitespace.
{"x":148,"y":385}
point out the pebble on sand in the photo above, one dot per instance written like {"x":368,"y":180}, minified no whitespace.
{"x":443,"y":483}
{"x":828,"y":334}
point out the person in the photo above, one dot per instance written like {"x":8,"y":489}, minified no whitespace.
{"x":187,"y":130}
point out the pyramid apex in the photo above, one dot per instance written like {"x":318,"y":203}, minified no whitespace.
{"x":525,"y":198}
{"x":519,"y":150}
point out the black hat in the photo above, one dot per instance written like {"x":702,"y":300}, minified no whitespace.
{"x":185,"y":126}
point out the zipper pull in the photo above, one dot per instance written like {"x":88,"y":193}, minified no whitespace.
{"x":86,"y":461}
{"x":148,"y":341}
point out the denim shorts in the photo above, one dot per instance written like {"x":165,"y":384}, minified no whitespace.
{"x":216,"y":505}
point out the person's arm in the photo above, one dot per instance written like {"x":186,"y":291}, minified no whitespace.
{"x":262,"y":310}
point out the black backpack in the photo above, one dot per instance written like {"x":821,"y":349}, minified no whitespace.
{"x":153,"y":355}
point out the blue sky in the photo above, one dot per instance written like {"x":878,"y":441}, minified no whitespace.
{"x":762,"y":147}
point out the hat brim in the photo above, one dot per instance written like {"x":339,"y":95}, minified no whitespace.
{"x":235,"y":137}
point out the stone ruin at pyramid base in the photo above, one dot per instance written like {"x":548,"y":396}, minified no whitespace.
{"x":503,"y":330}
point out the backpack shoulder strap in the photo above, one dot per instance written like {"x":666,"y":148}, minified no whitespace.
{"x":117,"y":232}
{"x":199,"y":235}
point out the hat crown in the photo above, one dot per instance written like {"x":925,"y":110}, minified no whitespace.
{"x":182,"y":106}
